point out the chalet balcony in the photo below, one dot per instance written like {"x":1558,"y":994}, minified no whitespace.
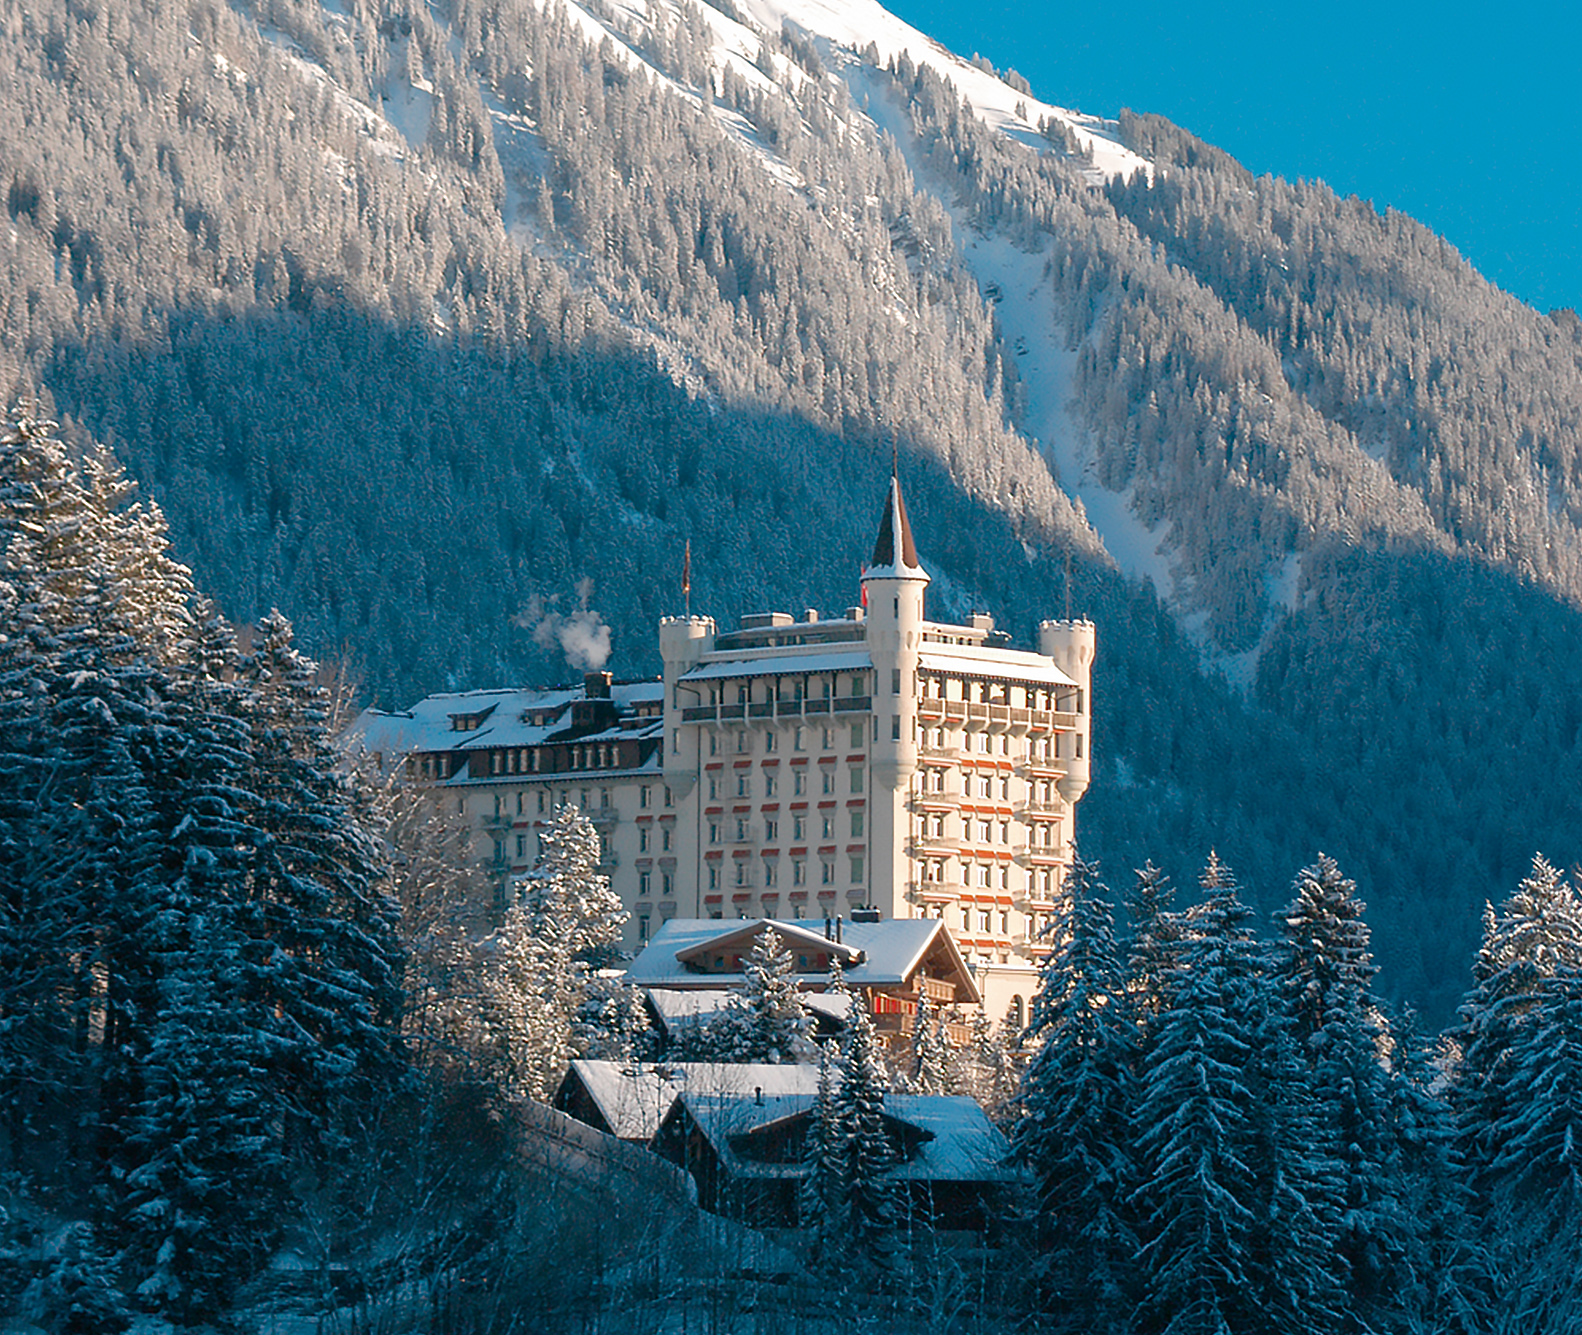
{"x":853,"y":704}
{"x":901,"y":1025}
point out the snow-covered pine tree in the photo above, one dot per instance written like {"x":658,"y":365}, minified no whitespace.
{"x":765,"y":1019}
{"x":870,"y":1205}
{"x":1536,"y":934}
{"x":1534,"y":1178}
{"x":1296,"y":1273}
{"x":1153,"y":931}
{"x":821,"y":1201}
{"x":534,"y":971}
{"x":1194,"y":1122}
{"x":1074,"y":1135}
{"x":1322,"y":970}
{"x":931,"y":1063}
{"x":331,"y":969}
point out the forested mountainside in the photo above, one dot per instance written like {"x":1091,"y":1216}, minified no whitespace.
{"x":414,"y":319}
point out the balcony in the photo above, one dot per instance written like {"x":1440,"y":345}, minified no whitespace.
{"x":853,"y":704}
{"x":933,"y":845}
{"x":1040,"y":810}
{"x":902,"y":1024}
{"x":935,"y":892}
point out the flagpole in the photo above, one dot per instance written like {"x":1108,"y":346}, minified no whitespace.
{"x":686,"y":577}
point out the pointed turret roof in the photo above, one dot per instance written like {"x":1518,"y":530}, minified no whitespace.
{"x":894,"y":552}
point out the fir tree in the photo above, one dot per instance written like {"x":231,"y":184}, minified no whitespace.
{"x":931,"y":1067}
{"x":1323,"y":971}
{"x":870,"y":1204}
{"x":1073,"y":1134}
{"x":1198,"y":1200}
{"x":535,"y":970}
{"x":765,"y":1019}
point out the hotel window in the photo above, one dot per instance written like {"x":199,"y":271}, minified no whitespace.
{"x":856,"y":781}
{"x":856,"y":824}
{"x":799,"y":827}
{"x":770,"y":739}
{"x":856,"y":871}
{"x":769,"y":874}
{"x":664,"y":839}
{"x":669,"y":801}
{"x":771,"y":829}
{"x":798,"y":871}
{"x":826,"y":872}
{"x":643,"y":795}
{"x":521,"y":846}
{"x":741,"y":829}
{"x":642,"y":928}
{"x":714,"y":876}
{"x":856,"y":735}
{"x":827,"y":777}
{"x":667,"y":883}
{"x":714,"y":831}
{"x":714,"y":786}
{"x":895,"y":681}
{"x":642,"y":838}
{"x":741,"y":872}
{"x":769,"y":785}
{"x":741,"y":783}
{"x":540,"y":801}
{"x":645,"y":883}
{"x":797,"y":738}
{"x":983,"y":920}
{"x":744,"y":742}
{"x":713,"y":744}
{"x":829,"y":738}
{"x":827,"y":824}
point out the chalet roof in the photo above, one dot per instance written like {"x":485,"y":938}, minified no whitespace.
{"x":797,"y":935}
{"x":892,"y":949}
{"x":950,"y":1138}
{"x":894,"y":552}
{"x":677,"y":1009}
{"x":633,"y":1097}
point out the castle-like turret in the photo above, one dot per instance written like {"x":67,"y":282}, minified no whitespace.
{"x":682,"y":643}
{"x":1072,"y":645}
{"x":893,"y":587}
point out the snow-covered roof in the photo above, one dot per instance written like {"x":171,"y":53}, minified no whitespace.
{"x":1002,"y":664}
{"x":953,"y":1137}
{"x":782,"y":658}
{"x":892,"y":951}
{"x":676,"y":1008}
{"x":513,"y":716}
{"x":633,"y":1098}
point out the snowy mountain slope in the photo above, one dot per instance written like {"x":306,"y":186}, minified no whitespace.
{"x":854,"y":25}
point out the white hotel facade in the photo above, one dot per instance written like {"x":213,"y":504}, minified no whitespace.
{"x":876,"y":763}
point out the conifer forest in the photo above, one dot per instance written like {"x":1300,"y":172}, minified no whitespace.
{"x":342,"y":341}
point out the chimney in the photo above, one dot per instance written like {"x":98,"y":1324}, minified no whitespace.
{"x":829,"y":935}
{"x":838,"y":929}
{"x":596,"y":685}
{"x":758,"y":1095}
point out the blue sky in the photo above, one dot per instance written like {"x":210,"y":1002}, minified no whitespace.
{"x":1469,"y":119}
